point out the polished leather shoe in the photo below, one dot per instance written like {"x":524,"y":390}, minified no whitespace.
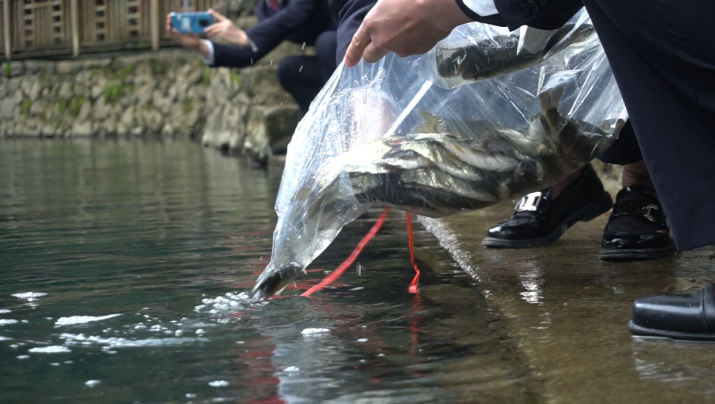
{"x":637,"y":228}
{"x":539,"y":221}
{"x":678,"y":316}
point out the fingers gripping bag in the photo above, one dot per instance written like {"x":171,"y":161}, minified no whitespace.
{"x":476,"y":121}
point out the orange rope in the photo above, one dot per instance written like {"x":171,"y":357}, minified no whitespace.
{"x":413,"y":285}
{"x":344,"y":266}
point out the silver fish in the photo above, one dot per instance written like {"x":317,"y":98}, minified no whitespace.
{"x":442,"y":167}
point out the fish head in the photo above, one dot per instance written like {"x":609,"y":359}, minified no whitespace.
{"x":431,"y":123}
{"x":272,"y":281}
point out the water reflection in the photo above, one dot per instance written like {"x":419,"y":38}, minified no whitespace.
{"x":139,"y":255}
{"x":678,"y":365}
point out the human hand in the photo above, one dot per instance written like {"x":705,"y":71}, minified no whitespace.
{"x":190,"y":41}
{"x":405,"y":27}
{"x":225,"y":29}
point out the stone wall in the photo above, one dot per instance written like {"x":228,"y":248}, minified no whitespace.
{"x":166,"y":93}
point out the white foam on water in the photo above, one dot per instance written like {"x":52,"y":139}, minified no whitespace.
{"x":6,"y":321}
{"x":218,"y":383}
{"x":5,"y":338}
{"x":29,"y":296}
{"x":127,"y":343}
{"x":74,"y":320}
{"x":291,"y":369}
{"x":228,"y":303}
{"x":51,"y":349}
{"x":23,"y":357}
{"x":5,"y":311}
{"x":189,"y":395}
{"x":92,"y":383}
{"x":54,"y":364}
{"x":312,"y":331}
{"x":362,"y":340}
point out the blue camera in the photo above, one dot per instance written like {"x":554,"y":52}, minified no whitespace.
{"x":191,"y":23}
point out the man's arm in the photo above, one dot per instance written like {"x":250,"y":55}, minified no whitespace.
{"x":541,"y":14}
{"x":266,"y":35}
{"x":409,"y":27}
{"x":269,"y":33}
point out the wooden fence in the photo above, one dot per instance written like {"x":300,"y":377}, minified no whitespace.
{"x":52,"y":27}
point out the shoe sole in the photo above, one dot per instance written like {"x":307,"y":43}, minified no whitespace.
{"x":672,"y":335}
{"x":592,"y":210}
{"x":636,"y":254}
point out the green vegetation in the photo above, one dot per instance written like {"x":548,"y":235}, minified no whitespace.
{"x":188,"y":107}
{"x":62,"y":106}
{"x":158,"y":68}
{"x":236,"y":77}
{"x":8,"y":69}
{"x":113,"y":93}
{"x":126,"y":72}
{"x":207,"y":76}
{"x":25,"y":107}
{"x":76,"y":105}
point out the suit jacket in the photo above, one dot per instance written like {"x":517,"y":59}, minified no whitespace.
{"x":542,"y":14}
{"x":299,"y":21}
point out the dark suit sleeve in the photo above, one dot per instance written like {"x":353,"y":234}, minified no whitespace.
{"x":541,"y":14}
{"x":267,"y":34}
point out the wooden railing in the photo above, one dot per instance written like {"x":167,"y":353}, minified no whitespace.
{"x":51,"y":27}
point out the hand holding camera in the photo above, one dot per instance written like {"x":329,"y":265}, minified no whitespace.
{"x":225,"y":29}
{"x":185,"y":28}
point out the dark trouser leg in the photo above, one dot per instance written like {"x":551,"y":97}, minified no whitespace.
{"x":664,"y":62}
{"x":302,"y":77}
{"x":326,"y":45}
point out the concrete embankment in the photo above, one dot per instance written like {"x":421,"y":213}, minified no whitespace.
{"x":567,"y":312}
{"x":169,"y":93}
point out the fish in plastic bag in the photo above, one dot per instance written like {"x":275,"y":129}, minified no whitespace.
{"x":394,"y":133}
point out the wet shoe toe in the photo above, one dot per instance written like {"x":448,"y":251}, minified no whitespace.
{"x":679,"y":316}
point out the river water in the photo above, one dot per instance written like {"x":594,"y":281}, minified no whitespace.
{"x":124,"y":272}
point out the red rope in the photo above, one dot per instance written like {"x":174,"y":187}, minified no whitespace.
{"x":344,"y":266}
{"x":413,"y":285}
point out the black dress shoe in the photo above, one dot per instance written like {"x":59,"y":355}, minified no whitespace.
{"x":637,"y":228}
{"x":538,"y":221}
{"x":679,"y":316}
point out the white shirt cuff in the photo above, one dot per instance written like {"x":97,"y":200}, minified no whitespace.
{"x":211,"y":59}
{"x":482,"y":7}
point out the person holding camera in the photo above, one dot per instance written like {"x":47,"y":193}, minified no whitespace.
{"x":305,"y":22}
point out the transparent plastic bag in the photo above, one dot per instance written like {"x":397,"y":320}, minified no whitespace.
{"x":384,"y":134}
{"x":477,"y":52}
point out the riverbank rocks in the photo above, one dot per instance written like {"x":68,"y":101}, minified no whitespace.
{"x":170,"y":93}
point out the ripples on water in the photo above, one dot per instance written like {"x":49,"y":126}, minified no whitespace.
{"x":125,"y":272}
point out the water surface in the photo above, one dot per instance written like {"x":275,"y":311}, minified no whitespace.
{"x":125,"y":267}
